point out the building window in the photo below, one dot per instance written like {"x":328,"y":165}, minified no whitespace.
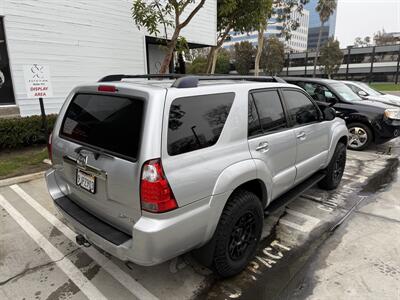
{"x":6,"y":86}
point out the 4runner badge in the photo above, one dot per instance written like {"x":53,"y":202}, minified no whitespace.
{"x":81,"y":160}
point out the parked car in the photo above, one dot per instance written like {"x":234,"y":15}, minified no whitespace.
{"x":148,"y":170}
{"x":367,"y":120}
{"x":368,"y":93}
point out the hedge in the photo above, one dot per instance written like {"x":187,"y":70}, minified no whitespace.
{"x":21,"y":132}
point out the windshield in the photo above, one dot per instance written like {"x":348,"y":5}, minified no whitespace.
{"x":345,"y":92}
{"x":369,"y":89}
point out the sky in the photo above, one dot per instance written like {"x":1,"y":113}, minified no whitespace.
{"x":360,"y":18}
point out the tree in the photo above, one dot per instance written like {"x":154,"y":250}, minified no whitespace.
{"x":273,"y":56}
{"x":325,"y":8}
{"x":244,"y":52}
{"x":359,"y":42}
{"x":331,"y":57}
{"x":150,"y":14}
{"x":282,"y":10}
{"x":381,"y":38}
{"x":233,"y":15}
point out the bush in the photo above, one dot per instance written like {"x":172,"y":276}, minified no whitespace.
{"x":223,"y":65}
{"x":198,"y":66}
{"x":244,"y":53}
{"x":21,"y":132}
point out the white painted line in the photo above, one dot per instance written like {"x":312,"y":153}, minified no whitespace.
{"x":127,"y":281}
{"x":62,"y":262}
{"x":307,"y":226}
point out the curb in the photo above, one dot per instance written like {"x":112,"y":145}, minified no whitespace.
{"x":20,"y":179}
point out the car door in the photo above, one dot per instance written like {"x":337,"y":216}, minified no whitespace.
{"x":311,"y":132}
{"x":271,"y":142}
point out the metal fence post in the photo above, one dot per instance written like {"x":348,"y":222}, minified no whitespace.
{"x":398,"y":65}
{"x":305,"y":64}
{"x":348,"y":62}
{"x":372,"y":65}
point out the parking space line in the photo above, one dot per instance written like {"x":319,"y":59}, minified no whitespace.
{"x":307,"y":226}
{"x":55,"y":255}
{"x":121,"y":276}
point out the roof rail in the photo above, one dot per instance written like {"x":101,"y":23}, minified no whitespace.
{"x":119,"y":77}
{"x":188,"y":81}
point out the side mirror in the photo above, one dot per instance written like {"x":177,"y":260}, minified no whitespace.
{"x":329,"y":114}
{"x":362,"y":94}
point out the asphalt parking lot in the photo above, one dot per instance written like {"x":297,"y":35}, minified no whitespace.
{"x":324,"y":245}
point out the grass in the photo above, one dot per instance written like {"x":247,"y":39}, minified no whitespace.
{"x":386,"y":86}
{"x":21,"y":162}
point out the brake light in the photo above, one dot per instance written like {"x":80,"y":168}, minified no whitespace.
{"x":107,"y":88}
{"x":50,"y":148}
{"x":155,"y":193}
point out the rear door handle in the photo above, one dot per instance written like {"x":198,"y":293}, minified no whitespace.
{"x":301,"y":135}
{"x":263,"y":147}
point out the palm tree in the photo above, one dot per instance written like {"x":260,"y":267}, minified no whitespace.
{"x":325,"y":8}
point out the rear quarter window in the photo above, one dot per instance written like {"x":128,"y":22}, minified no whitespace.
{"x":110,"y":123}
{"x":197,"y":122}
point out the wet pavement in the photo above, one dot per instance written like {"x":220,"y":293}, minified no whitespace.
{"x":325,"y":245}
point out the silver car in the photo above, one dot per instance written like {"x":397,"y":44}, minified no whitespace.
{"x":366,"y":92}
{"x":149,"y":169}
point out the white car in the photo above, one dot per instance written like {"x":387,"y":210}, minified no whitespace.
{"x":366,"y":92}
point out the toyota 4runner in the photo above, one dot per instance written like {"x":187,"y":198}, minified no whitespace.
{"x":149,"y":169}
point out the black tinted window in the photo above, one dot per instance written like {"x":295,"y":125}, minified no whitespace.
{"x":301,"y":110}
{"x":107,"y":122}
{"x":196,"y":122}
{"x":254,"y":126}
{"x":270,"y":110}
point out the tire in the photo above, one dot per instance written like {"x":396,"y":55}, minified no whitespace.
{"x":360,"y":136}
{"x":335,"y":169}
{"x":231,"y":254}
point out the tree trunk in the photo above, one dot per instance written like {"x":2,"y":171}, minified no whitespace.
{"x":210,"y":59}
{"x":170,"y":51}
{"x":212,"y":56}
{"x":214,"y":61}
{"x":317,"y":51}
{"x":259,"y":49}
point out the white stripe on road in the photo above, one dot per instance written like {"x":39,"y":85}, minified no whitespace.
{"x":127,"y":281}
{"x":60,"y":260}
{"x":309,"y":224}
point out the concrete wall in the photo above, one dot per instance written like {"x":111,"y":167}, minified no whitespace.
{"x":81,"y":41}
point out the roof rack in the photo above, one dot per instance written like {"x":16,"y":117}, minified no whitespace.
{"x":189,"y":81}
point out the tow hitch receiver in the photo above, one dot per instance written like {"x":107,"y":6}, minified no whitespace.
{"x":81,"y":241}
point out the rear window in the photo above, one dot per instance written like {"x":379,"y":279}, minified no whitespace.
{"x":196,"y":122}
{"x":110,"y":123}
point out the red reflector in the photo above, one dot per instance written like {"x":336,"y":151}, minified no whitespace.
{"x":107,"y":88}
{"x":155,"y":193}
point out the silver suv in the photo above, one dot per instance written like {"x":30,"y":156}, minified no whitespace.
{"x":149,"y":169}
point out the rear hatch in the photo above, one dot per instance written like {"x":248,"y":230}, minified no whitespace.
{"x":96,"y":155}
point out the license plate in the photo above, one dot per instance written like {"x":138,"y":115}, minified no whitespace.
{"x":86,"y":181}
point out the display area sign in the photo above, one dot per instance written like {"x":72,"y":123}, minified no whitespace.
{"x":38,"y":81}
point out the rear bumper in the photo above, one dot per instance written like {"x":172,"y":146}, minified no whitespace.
{"x":155,"y":238}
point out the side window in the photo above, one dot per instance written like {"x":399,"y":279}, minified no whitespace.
{"x":197,"y":122}
{"x":254,"y":126}
{"x":301,"y":110}
{"x":270,"y":110}
{"x":354,"y":88}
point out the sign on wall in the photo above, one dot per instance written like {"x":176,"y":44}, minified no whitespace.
{"x":38,"y":81}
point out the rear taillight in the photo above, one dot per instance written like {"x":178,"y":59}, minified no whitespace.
{"x":107,"y":88}
{"x":155,"y":193}
{"x":50,"y":148}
